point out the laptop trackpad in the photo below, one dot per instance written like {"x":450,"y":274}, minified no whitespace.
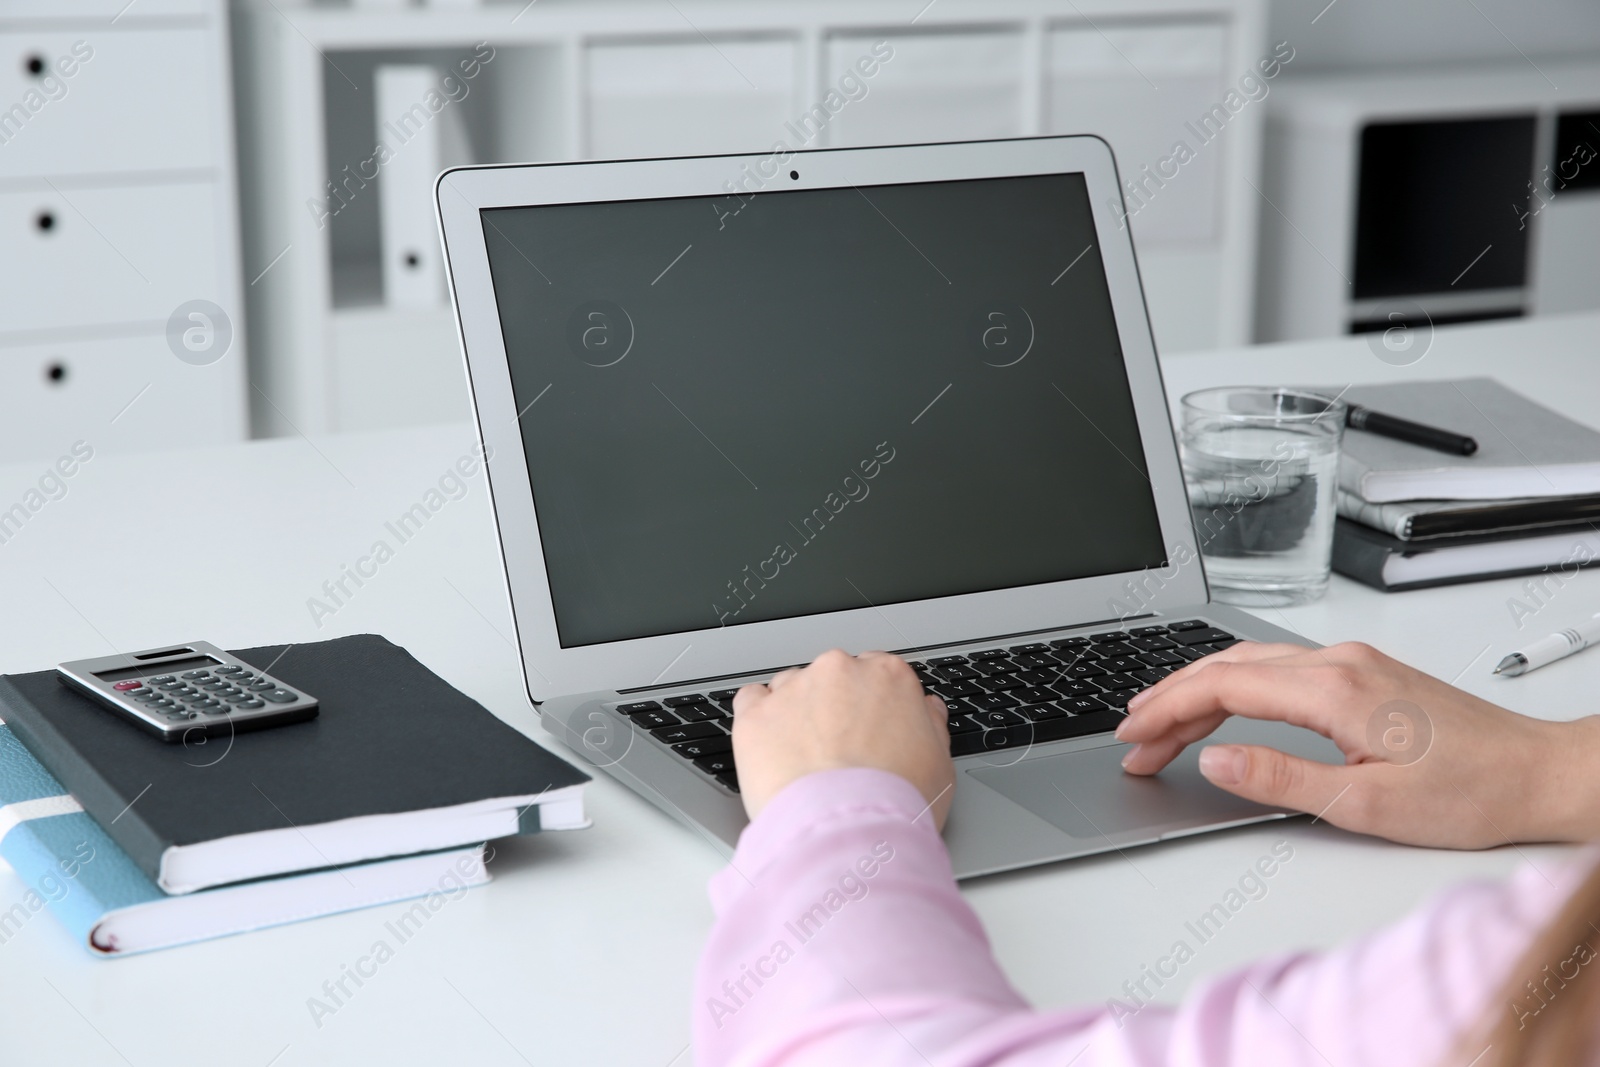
{"x":1087,"y":794}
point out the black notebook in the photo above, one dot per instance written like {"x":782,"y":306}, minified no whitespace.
{"x":398,"y":762}
{"x":1390,"y":564}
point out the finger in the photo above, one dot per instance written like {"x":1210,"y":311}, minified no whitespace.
{"x":1270,"y":690}
{"x":937,"y":712}
{"x":1243,"y":652}
{"x":749,"y":696}
{"x":783,"y":678}
{"x":1270,"y":777}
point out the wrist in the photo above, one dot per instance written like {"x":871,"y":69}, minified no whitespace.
{"x":1572,"y":808}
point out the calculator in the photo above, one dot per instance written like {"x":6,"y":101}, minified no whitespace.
{"x":179,"y":690}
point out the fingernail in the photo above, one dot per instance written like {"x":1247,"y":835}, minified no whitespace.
{"x":1132,"y":752}
{"x":1139,"y":698}
{"x":1223,"y":764}
{"x":1123,"y":725}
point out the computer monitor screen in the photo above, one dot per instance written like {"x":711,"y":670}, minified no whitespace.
{"x":739,"y":409}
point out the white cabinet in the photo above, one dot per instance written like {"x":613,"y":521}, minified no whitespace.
{"x":573,"y":79}
{"x":123,"y":254}
{"x":118,"y":207}
{"x":656,"y":99}
{"x":959,"y":85}
{"x":134,"y":100}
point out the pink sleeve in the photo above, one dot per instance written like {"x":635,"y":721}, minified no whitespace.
{"x":841,"y":938}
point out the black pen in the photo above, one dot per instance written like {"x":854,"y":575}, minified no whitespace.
{"x":1360,"y":418}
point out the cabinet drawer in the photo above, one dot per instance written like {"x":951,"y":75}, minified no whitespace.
{"x":670,"y":98}
{"x":134,"y":100}
{"x":77,"y":257}
{"x":1148,"y":89}
{"x":88,"y":398}
{"x":933,"y":87}
{"x":99,"y":11}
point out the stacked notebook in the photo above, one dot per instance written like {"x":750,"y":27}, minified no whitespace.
{"x":390,"y":793}
{"x":1527,"y":502}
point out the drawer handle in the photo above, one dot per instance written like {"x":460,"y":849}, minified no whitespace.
{"x":56,"y":372}
{"x":45,"y":220}
{"x":34,"y":64}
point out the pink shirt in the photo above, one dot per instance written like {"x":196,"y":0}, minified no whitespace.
{"x":841,"y":939}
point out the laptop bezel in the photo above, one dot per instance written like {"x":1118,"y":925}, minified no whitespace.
{"x":667,"y":659}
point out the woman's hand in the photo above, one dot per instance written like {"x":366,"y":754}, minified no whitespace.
{"x":842,"y":711}
{"x":1425,"y":763}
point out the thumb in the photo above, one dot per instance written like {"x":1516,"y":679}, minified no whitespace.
{"x":1268,"y":776}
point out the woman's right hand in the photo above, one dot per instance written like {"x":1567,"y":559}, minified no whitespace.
{"x":1425,"y":763}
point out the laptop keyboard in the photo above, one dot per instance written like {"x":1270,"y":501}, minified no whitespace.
{"x":997,"y":698}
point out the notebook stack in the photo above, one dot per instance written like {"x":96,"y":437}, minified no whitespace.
{"x":1527,"y":502}
{"x":389,"y":794}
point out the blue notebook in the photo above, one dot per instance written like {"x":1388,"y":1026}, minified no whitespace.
{"x":109,"y":905}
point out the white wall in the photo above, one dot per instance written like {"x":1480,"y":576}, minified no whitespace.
{"x":1400,"y":33}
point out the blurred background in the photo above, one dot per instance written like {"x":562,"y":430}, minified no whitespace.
{"x":247,"y":188}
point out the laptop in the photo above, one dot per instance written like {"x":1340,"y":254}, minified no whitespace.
{"x":744,"y":409}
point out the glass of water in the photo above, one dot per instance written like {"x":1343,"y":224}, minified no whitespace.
{"x":1262,"y":468}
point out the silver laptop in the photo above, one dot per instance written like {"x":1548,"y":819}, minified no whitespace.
{"x":744,"y":409}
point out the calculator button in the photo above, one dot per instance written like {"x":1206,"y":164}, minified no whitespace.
{"x":228,"y":669}
{"x":261,"y":686}
{"x":220,"y":709}
{"x":280,"y":696}
{"x":207,"y":704}
{"x":162,"y":679}
{"x":236,"y":698}
{"x":250,"y":704}
{"x":145,"y":695}
{"x":123,"y":687}
{"x":196,"y":674}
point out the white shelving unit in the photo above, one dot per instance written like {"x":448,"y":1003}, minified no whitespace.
{"x":575,"y":79}
{"x":118,"y":205}
{"x":1310,"y":276}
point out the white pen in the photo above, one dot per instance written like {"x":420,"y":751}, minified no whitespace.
{"x":1558,"y":645}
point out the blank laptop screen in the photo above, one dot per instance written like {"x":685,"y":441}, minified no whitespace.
{"x":807,"y":401}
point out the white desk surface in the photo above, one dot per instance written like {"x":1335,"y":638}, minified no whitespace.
{"x":582,"y":949}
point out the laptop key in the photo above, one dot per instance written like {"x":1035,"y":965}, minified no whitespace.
{"x":1036,"y":695}
{"x":1070,"y":643}
{"x":650,"y":720}
{"x":947,"y":661}
{"x":1122,"y":664}
{"x":1188,"y":624}
{"x":1147,"y":631}
{"x":1085,"y":705}
{"x":1151,"y":644}
{"x":1202,"y":637}
{"x":960,"y":724}
{"x":1022,"y":650}
{"x":1083,"y":670}
{"x":691,"y":731}
{"x":722,"y":763}
{"x":1115,"y":648}
{"x":637,"y":706}
{"x":1000,"y":683}
{"x":1039,"y":677}
{"x":686,"y":698}
{"x":1220,"y":645}
{"x":989,"y":654}
{"x":1070,"y":687}
{"x":994,"y":668}
{"x":723,"y":696}
{"x":729,"y":780}
{"x":1118,"y":681}
{"x":955,"y":674}
{"x":711,"y":746}
{"x":1032,"y":660}
{"x":1042,"y":712}
{"x":701,"y":712}
{"x":996,"y":718}
{"x":966,"y":743}
{"x":1118,"y":698}
{"x":1189,"y":655}
{"x":992,"y":702}
{"x":1161,"y":659}
{"x":957,"y":706}
{"x":1110,"y":635}
{"x":956,"y":689}
{"x":1153,"y":675}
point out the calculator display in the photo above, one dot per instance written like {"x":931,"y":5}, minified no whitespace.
{"x":164,"y":667}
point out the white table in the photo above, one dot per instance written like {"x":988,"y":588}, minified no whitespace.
{"x":583,"y":948}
